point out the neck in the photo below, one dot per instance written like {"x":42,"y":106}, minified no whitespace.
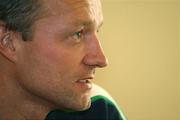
{"x":18,"y":104}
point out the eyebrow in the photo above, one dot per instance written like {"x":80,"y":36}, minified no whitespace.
{"x":81,"y":22}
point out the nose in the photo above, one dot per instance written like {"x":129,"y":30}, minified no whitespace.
{"x":94,"y":53}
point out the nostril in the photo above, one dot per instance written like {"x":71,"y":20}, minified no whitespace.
{"x":94,"y":54}
{"x":103,"y":62}
{"x":95,"y":60}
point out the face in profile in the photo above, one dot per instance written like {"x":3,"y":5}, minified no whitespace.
{"x":58,"y":64}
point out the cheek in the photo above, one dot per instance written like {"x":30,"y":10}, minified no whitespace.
{"x":65,"y":61}
{"x":35,"y":71}
{"x":44,"y":79}
{"x":51,"y":76}
{"x":48,"y":69}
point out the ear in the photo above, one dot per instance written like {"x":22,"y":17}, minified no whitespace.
{"x":7,"y":48}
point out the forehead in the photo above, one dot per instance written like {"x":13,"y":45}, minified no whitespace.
{"x":76,"y":9}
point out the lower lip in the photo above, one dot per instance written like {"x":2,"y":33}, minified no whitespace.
{"x":85,"y":86}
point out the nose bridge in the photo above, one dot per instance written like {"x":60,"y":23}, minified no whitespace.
{"x":95,"y":52}
{"x":98,"y":46}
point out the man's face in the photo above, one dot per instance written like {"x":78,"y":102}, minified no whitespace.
{"x":58,"y":65}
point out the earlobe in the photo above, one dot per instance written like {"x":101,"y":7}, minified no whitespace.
{"x":4,"y":41}
{"x":7,"y":48}
{"x":7,"y":42}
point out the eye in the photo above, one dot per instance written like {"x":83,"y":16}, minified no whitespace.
{"x":78,"y":36}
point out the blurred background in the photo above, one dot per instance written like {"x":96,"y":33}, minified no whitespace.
{"x":141,"y":39}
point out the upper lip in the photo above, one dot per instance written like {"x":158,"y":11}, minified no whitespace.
{"x":87,"y":78}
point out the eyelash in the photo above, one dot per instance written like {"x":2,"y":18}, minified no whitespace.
{"x":78,"y":36}
{"x":79,"y":33}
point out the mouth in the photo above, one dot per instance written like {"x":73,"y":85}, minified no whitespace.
{"x":85,"y":83}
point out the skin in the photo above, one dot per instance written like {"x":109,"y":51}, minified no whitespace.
{"x":42,"y":74}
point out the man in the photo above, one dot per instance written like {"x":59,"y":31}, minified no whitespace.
{"x":48,"y":55}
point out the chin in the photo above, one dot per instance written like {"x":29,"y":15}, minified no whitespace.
{"x":75,"y":104}
{"x":82,"y":107}
{"x":83,"y":104}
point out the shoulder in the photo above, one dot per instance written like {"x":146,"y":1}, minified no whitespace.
{"x":100,"y":96}
{"x":103,"y":107}
{"x":99,"y":91}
